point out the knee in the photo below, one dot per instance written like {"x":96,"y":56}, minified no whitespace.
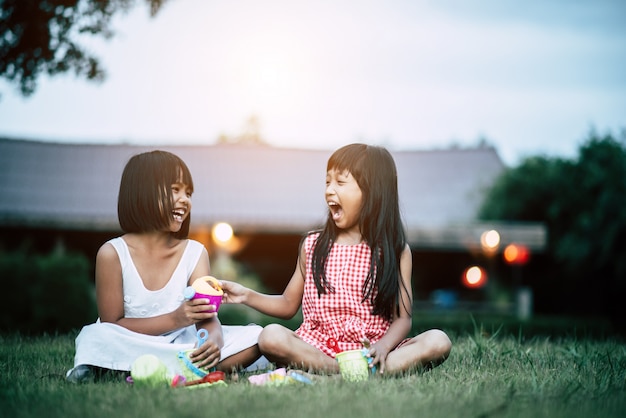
{"x":440,"y":344}
{"x":272,"y":338}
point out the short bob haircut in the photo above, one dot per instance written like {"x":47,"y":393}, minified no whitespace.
{"x":145,"y":200}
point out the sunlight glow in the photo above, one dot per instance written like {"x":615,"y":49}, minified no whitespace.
{"x":266,"y":72}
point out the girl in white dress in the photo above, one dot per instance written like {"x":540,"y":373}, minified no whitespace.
{"x":141,"y":277}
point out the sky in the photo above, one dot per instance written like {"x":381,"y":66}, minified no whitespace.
{"x":529,"y":77}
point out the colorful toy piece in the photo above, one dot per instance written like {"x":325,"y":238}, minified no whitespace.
{"x":148,"y":370}
{"x":353,"y":365}
{"x":279,"y":377}
{"x":190,"y":370}
{"x":333,"y":345}
{"x":205,"y":287}
{"x":366,"y":347}
{"x":212,"y":378}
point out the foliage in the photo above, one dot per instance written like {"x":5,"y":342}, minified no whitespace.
{"x":485,"y":375}
{"x":582,"y":202}
{"x":45,"y":292}
{"x":41,"y":36}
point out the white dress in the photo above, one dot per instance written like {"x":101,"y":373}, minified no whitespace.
{"x":114,"y":347}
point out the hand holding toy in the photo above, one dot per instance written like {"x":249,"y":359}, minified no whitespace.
{"x":206,"y":287}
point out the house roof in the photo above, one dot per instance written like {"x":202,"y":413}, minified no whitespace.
{"x":254,"y":187}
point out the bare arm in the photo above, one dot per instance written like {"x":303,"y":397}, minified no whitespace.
{"x":280,"y":306}
{"x":110,"y":299}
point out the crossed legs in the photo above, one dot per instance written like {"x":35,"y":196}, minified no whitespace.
{"x":283,"y":347}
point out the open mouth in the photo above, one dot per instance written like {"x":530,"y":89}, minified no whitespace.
{"x":335,"y":210}
{"x":178,"y":214}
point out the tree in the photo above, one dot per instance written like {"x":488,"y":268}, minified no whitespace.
{"x":582,"y":203}
{"x":41,"y":36}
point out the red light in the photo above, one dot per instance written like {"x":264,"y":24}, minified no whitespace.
{"x":516,"y":254}
{"x":474,"y":277}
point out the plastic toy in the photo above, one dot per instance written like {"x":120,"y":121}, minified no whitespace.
{"x":366,"y":347}
{"x":205,"y":287}
{"x":279,"y":377}
{"x":333,"y":345}
{"x":353,"y":365}
{"x":148,"y":370}
{"x":190,"y":370}
{"x":209,"y":379}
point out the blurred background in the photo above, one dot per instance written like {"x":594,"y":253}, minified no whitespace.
{"x":506,"y":121}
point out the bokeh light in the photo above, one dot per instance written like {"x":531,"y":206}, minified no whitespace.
{"x":516,"y":254}
{"x":490,"y":240}
{"x":474,"y":277}
{"x":222,"y":232}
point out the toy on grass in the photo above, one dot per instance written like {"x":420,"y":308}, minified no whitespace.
{"x":212,"y":378}
{"x":279,"y":377}
{"x":148,"y":370}
{"x":191,"y":371}
{"x":353,"y":365}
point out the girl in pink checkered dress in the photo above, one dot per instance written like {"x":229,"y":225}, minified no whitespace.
{"x":353,"y":278}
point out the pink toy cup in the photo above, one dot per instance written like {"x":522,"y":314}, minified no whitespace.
{"x":206,"y":287}
{"x":213,"y":300}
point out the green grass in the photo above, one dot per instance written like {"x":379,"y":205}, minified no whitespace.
{"x":486,"y":376}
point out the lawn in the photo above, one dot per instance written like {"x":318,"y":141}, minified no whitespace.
{"x":487,"y":375}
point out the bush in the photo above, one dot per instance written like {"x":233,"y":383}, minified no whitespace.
{"x":45,"y":293}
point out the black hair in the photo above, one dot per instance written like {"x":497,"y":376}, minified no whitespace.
{"x":380,"y":224}
{"x":145,"y":201}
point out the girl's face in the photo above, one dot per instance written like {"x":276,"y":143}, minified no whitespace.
{"x":344,"y":199}
{"x":181,"y":194}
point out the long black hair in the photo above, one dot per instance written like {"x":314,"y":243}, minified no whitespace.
{"x":380,"y":224}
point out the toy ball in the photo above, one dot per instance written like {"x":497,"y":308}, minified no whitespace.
{"x":148,"y":370}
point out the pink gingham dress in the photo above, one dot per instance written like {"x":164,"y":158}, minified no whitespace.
{"x":339,"y":317}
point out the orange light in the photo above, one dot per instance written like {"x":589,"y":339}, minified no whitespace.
{"x":474,"y":277}
{"x":516,"y":254}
